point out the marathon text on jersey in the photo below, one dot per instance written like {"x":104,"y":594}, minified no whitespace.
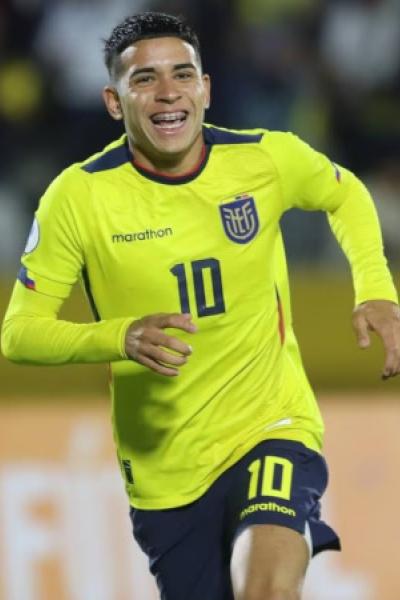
{"x":141,"y":236}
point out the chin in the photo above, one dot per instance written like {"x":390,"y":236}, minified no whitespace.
{"x":173,"y":147}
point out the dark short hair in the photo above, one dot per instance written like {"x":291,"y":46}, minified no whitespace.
{"x":146,"y":26}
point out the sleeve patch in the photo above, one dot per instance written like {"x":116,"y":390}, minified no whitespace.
{"x":33,"y":238}
{"x":25,"y":280}
{"x":43,"y":285}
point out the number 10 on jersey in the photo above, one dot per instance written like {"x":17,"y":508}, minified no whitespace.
{"x":199,"y":269}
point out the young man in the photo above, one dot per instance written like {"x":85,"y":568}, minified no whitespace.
{"x":175,"y":226}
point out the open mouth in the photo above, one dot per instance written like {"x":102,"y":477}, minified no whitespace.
{"x":168,"y":121}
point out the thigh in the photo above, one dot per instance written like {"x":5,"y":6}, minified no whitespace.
{"x":185,"y":550}
{"x":269,"y":561}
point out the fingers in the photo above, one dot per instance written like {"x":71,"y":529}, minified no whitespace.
{"x":391,"y":341}
{"x":157,"y":368}
{"x":389,"y":332}
{"x":173,"y":320}
{"x":147,"y":343}
{"x":158,"y":338}
{"x":161,"y":356}
{"x":361,"y":329}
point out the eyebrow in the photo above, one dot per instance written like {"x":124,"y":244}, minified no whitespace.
{"x":152,"y":69}
{"x":184,"y":66}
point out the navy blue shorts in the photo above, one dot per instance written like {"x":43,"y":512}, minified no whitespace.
{"x":189,"y":548}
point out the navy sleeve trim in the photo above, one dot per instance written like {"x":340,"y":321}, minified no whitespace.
{"x":215,"y":136}
{"x":110,"y":160}
{"x":89,"y":294}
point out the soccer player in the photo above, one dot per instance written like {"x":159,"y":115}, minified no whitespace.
{"x":174,"y":231}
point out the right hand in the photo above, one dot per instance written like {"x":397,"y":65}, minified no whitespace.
{"x":147,"y":344}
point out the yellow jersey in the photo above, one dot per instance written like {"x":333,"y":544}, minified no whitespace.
{"x":207,"y":243}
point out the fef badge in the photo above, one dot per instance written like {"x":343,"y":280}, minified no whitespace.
{"x":240,"y":219}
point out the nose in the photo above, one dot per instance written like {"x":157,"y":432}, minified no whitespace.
{"x":167,"y":91}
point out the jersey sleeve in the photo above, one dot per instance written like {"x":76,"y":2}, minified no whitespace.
{"x":51,"y":264}
{"x":53,"y":257}
{"x":32,"y":334}
{"x":310,"y":181}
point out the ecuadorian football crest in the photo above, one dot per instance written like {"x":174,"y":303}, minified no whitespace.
{"x":240,"y":219}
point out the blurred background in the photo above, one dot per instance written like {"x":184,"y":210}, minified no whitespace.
{"x":329,"y":70}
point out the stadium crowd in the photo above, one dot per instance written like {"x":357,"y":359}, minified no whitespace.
{"x":329,"y":70}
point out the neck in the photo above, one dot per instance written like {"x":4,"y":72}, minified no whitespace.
{"x":173,"y":164}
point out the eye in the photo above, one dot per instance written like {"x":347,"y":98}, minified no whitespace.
{"x":184,"y":75}
{"x":143,"y":79}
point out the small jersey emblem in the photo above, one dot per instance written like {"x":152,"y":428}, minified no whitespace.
{"x":240,"y":219}
{"x":33,"y":238}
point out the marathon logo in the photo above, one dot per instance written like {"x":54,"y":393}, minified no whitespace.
{"x":142,"y":236}
{"x":267,"y":506}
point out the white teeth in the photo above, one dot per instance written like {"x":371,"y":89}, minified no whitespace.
{"x":169,"y":116}
{"x":171,"y":125}
{"x":169,"y":120}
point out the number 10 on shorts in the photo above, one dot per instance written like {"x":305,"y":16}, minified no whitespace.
{"x":274,"y":474}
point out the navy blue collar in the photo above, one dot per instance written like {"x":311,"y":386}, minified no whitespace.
{"x":212,"y":136}
{"x":171,"y":179}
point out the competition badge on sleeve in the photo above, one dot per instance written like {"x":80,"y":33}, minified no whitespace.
{"x":33,"y":238}
{"x":240,"y":219}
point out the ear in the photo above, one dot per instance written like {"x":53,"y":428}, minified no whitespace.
{"x":207,"y":89}
{"x":111,"y":100}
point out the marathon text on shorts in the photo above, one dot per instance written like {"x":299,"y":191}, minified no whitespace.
{"x":269,"y":506}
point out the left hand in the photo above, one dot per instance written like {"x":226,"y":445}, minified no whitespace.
{"x":382,"y":317}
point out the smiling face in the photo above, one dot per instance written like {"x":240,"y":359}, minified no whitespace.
{"x":161,"y":94}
